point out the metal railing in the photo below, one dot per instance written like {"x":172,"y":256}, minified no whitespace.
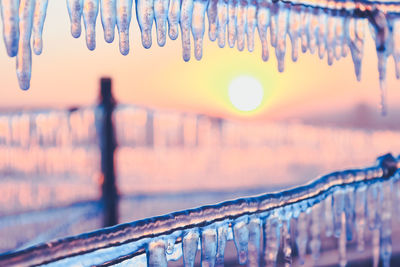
{"x":156,"y":240}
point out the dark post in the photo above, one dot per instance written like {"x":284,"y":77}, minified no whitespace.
{"x":107,"y":147}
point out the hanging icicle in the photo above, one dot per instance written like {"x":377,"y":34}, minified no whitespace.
{"x":317,"y":26}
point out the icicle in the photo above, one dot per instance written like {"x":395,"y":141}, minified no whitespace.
{"x":297,"y":208}
{"x":312,"y":31}
{"x":90,"y":11}
{"x":189,"y":246}
{"x":286,"y":246}
{"x":24,"y":57}
{"x":345,"y":44}
{"x":386,"y":229}
{"x":174,"y":251}
{"x":396,"y":46}
{"x":160,"y":15}
{"x":373,"y":199}
{"x":145,"y":17}
{"x":232,"y":14}
{"x":9,"y":14}
{"x":339,"y":37}
{"x":241,"y":238}
{"x":396,"y":200}
{"x":356,"y":42}
{"x":222,"y":236}
{"x":254,"y":242}
{"x":241,"y":21}
{"x":380,"y":32}
{"x":375,"y":247}
{"x":170,"y":245}
{"x":280,"y":49}
{"x":342,"y":241}
{"x":329,"y":228}
{"x":322,"y":34}
{"x":349,"y":209}
{"x":38,"y":22}
{"x":338,"y":209}
{"x":294,"y":30}
{"x":251,"y":24}
{"x":208,"y":247}
{"x":271,"y":240}
{"x":75,"y":8}
{"x":199,"y":9}
{"x":173,"y":18}
{"x":108,"y":19}
{"x":330,"y":41}
{"x":186,"y":24}
{"x":222,"y":8}
{"x":315,"y":242}
{"x":302,"y":237}
{"x":305,"y":24}
{"x":273,"y":23}
{"x":124,"y":14}
{"x":374,"y":223}
{"x":263,"y":18}
{"x":212,"y":14}
{"x":382,"y":61}
{"x":156,"y":254}
{"x":360,"y":216}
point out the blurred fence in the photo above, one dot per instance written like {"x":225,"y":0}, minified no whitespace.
{"x":50,"y":164}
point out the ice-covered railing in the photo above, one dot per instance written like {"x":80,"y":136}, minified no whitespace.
{"x":342,"y":204}
{"x":333,"y":27}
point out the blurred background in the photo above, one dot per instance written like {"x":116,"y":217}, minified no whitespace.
{"x":188,"y":134}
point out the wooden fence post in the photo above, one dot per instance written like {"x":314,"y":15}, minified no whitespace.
{"x":109,"y":197}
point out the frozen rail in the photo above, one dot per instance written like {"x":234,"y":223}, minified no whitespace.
{"x":341,"y":204}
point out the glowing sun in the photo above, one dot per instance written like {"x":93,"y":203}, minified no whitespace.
{"x":245,"y":93}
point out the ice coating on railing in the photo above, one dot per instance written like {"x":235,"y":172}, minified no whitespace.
{"x":209,"y":228}
{"x":331,"y":28}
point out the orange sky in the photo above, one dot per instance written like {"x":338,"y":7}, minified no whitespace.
{"x":67,"y":74}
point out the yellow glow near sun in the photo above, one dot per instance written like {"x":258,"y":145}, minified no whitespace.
{"x":245,"y":93}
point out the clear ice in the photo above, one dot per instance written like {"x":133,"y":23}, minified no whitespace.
{"x":261,"y":227}
{"x":332,"y":28}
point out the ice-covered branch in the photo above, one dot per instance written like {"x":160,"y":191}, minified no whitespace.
{"x":342,"y":202}
{"x":333,"y":28}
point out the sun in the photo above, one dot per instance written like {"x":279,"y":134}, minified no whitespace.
{"x":246,"y":93}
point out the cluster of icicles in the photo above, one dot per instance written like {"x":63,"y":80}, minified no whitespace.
{"x":332,"y":27}
{"x":346,"y":205}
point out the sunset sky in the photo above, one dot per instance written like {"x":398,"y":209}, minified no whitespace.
{"x":67,"y":74}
